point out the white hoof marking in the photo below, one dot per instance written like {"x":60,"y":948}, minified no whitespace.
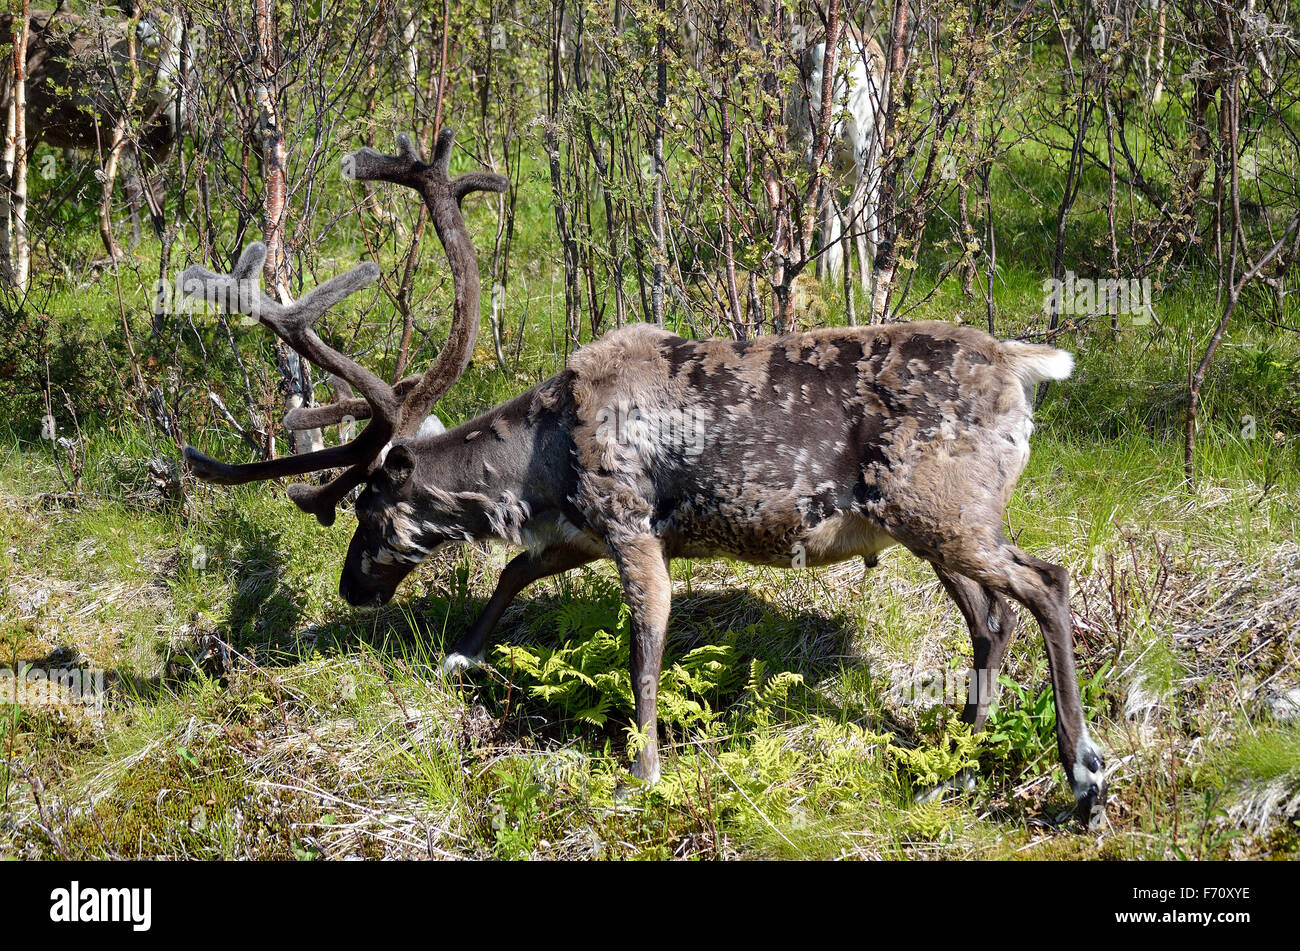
{"x":1085,"y":779}
{"x":455,"y":662}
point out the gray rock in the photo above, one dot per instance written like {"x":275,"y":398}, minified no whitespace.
{"x":1284,"y":705}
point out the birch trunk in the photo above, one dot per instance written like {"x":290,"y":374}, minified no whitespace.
{"x":6,"y":189}
{"x":1158,"y":91}
{"x":657,"y":216}
{"x":295,"y":372}
{"x":15,"y":155}
{"x":886,"y":263}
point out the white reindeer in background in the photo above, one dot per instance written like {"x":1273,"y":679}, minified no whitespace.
{"x":849,"y":206}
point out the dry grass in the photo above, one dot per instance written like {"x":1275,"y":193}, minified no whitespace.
{"x":325,"y":735}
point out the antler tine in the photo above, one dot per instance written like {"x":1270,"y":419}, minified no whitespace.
{"x":239,"y":292}
{"x":318,"y":500}
{"x":345,"y":408}
{"x":365,"y":164}
{"x":322,"y":500}
{"x":462,"y":185}
{"x":442,"y":196}
{"x":349,"y":409}
{"x":223,"y":473}
{"x":250,"y":262}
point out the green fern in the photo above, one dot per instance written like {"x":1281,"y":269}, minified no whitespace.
{"x":588,"y":678}
{"x":934,"y":763}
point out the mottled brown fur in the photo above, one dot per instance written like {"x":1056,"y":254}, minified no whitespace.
{"x":804,"y":449}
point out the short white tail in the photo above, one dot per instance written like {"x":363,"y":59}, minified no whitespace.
{"x":1035,"y":362}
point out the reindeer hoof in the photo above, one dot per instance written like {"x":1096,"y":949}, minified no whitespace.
{"x":1089,"y":784}
{"x":1090,"y":808}
{"x":963,"y":782}
{"x":311,"y":500}
{"x":455,"y":662}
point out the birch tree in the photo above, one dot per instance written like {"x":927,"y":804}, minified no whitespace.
{"x":15,"y":253}
{"x":294,"y":371}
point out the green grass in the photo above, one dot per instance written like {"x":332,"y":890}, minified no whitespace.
{"x":253,"y":714}
{"x":1265,"y":755}
{"x":329,"y":733}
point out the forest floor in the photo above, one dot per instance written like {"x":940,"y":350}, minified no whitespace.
{"x":248,"y":713}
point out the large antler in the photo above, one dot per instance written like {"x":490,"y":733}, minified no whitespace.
{"x":393,"y":411}
{"x":442,"y":195}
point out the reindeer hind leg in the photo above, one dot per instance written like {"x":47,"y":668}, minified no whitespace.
{"x":992,"y":624}
{"x":1043,"y":588}
{"x":984,"y":557}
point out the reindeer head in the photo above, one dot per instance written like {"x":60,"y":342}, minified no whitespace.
{"x":387,"y":544}
{"x":391,"y":539}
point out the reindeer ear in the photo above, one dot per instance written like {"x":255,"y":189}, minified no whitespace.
{"x":399,"y":465}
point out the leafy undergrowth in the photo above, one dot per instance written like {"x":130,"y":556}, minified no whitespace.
{"x":247,"y":713}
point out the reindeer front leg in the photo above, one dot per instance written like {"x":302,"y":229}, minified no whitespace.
{"x":647,"y":588}
{"x":522,"y":571}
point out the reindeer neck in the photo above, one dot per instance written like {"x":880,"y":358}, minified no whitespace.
{"x":517,"y":452}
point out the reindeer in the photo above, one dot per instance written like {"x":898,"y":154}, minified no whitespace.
{"x":850,"y":198}
{"x":67,"y":52}
{"x":811,"y":447}
{"x":859,"y":93}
